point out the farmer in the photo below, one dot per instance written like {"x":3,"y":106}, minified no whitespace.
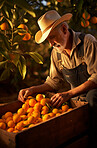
{"x":73,"y":58}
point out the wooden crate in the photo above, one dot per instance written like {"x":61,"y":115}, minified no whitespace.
{"x":55,"y":132}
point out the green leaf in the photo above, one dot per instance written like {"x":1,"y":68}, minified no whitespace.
{"x":20,"y":30}
{"x":6,"y":11}
{"x":5,"y":74}
{"x":18,"y":38}
{"x":3,"y":63}
{"x":79,"y":5}
{"x":22,"y":66}
{"x":4,"y":53}
{"x":5,"y":41}
{"x":16,"y":59}
{"x":11,"y":25}
{"x":36,"y":56}
{"x":24,"y":5}
{"x":2,"y":3}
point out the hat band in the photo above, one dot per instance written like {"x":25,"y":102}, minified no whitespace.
{"x":48,"y":27}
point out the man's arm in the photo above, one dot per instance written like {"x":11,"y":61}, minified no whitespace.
{"x":24,"y":93}
{"x":60,"y":98}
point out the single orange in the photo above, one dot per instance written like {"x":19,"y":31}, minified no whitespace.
{"x":46,"y":117}
{"x":85,"y":24}
{"x":30,"y":110}
{"x":4,"y":26}
{"x":21,"y":111}
{"x":55,"y":111}
{"x":43,"y":101}
{"x":23,"y":26}
{"x":16,"y":118}
{"x":31,"y":119}
{"x":39,"y":97}
{"x":11,"y":123}
{"x":94,"y":20}
{"x":86,"y":16}
{"x":11,"y":129}
{"x":2,"y":125}
{"x":32,"y":102}
{"x":8,"y":114}
{"x":51,"y":114}
{"x":25,"y":106}
{"x":37,"y":106}
{"x":65,"y":107}
{"x":8,"y":119}
{"x":26,"y":37}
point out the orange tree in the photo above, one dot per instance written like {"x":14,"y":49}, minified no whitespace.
{"x":13,"y":60}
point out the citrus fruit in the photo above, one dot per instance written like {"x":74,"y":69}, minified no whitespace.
{"x":32,"y":102}
{"x":94,"y":20}
{"x":86,"y":16}
{"x":85,"y":23}
{"x":2,"y":125}
{"x":26,"y":37}
{"x":65,"y":108}
{"x":8,"y":114}
{"x":23,"y":26}
{"x":4,"y":26}
{"x":39,"y":97}
{"x":11,"y":123}
{"x":16,"y":118}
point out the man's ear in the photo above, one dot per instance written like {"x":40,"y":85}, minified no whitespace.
{"x":64,"y":28}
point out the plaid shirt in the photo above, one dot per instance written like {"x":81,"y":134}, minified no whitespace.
{"x":55,"y":77}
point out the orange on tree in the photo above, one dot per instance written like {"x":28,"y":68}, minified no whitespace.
{"x":4,"y":26}
{"x":22,"y":26}
{"x":59,"y":0}
{"x":32,"y":102}
{"x":86,"y":16}
{"x":2,"y":125}
{"x":26,"y":37}
{"x":39,"y":97}
{"x":93,"y":20}
{"x":85,"y":23}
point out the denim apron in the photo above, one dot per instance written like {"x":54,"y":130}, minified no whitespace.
{"x":77,"y":75}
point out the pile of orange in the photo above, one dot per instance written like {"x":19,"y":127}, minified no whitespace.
{"x":34,"y":110}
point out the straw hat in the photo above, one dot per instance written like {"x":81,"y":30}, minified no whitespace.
{"x":49,"y":21}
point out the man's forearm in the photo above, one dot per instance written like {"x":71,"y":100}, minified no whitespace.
{"x":83,"y":88}
{"x":42,"y":88}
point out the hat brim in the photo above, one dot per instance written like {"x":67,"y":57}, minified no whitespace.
{"x":40,"y":37}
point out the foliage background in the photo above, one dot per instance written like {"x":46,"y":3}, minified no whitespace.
{"x":28,"y":12}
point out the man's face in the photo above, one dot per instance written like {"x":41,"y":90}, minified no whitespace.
{"x":58,"y":38}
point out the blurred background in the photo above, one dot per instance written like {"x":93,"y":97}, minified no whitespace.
{"x":24,"y":63}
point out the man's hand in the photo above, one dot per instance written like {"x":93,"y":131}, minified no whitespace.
{"x":60,"y":98}
{"x":24,"y":93}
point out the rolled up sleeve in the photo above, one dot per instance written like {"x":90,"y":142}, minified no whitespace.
{"x":55,"y":77}
{"x":91,"y":57}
